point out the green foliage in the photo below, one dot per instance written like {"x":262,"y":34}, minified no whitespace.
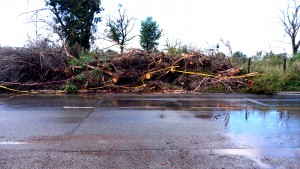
{"x":69,"y":88}
{"x":175,"y":51}
{"x":177,"y":47}
{"x":95,"y":77}
{"x":276,"y":80}
{"x":76,"y":20}
{"x":82,"y":76}
{"x":294,"y":66}
{"x":273,"y":78}
{"x":149,"y":34}
{"x":89,"y":76}
{"x":74,"y":62}
{"x":291,"y":82}
{"x":296,"y":57}
{"x":85,"y":58}
{"x":274,"y":59}
{"x":270,"y":82}
{"x":262,"y":63}
{"x":86,"y":70}
{"x":239,"y":58}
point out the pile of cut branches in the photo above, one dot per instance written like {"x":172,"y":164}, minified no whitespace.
{"x":35,"y":64}
{"x":192,"y":72}
{"x":134,"y":71}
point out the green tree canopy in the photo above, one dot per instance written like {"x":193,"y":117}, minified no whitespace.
{"x":75,"y":20}
{"x":239,"y":57}
{"x":149,"y":34}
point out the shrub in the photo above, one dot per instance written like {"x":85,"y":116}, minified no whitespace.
{"x":69,"y":88}
{"x":273,"y":79}
{"x":291,"y":81}
{"x":268,"y":83}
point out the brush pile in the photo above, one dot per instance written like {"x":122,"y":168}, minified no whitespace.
{"x":134,"y":71}
{"x":141,"y":71}
{"x":22,"y":67}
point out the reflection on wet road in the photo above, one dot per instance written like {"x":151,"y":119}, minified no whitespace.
{"x":259,"y":126}
{"x":266,"y":128}
{"x":252,"y":121}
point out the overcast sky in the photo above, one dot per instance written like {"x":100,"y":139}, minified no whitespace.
{"x":249,"y":25}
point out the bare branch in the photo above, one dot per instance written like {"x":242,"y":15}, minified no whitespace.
{"x":119,"y":28}
{"x":290,"y":20}
{"x":227,"y":44}
{"x":34,"y":11}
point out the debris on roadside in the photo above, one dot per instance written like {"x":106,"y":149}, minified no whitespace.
{"x":136,"y":71}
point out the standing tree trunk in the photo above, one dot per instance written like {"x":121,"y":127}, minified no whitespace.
{"x":290,"y":20}
{"x":294,"y":45}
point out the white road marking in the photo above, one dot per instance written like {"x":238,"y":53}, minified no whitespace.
{"x":224,"y":107}
{"x":70,"y":107}
{"x":13,"y":143}
{"x":150,"y":107}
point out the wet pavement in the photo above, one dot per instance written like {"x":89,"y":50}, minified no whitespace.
{"x":150,"y":131}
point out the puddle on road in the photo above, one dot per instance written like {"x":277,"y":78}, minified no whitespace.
{"x":263,"y":122}
{"x":261,"y":133}
{"x":258,"y":128}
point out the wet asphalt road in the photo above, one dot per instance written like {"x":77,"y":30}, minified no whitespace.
{"x":150,"y":131}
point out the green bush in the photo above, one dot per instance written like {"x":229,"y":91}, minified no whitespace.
{"x":86,"y":71}
{"x":269,"y":82}
{"x":273,"y":78}
{"x":296,"y":57}
{"x":69,"y":88}
{"x":291,"y":81}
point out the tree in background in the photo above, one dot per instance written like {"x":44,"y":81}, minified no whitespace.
{"x":119,"y":28}
{"x":239,"y":58}
{"x":75,"y":20}
{"x":176,"y":47}
{"x":290,"y":19}
{"x":149,"y":34}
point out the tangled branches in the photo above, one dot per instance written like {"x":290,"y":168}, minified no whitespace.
{"x":193,"y":71}
{"x":135,"y":71}
{"x":37,"y":63}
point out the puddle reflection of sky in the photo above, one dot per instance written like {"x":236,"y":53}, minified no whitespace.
{"x":265,"y":129}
